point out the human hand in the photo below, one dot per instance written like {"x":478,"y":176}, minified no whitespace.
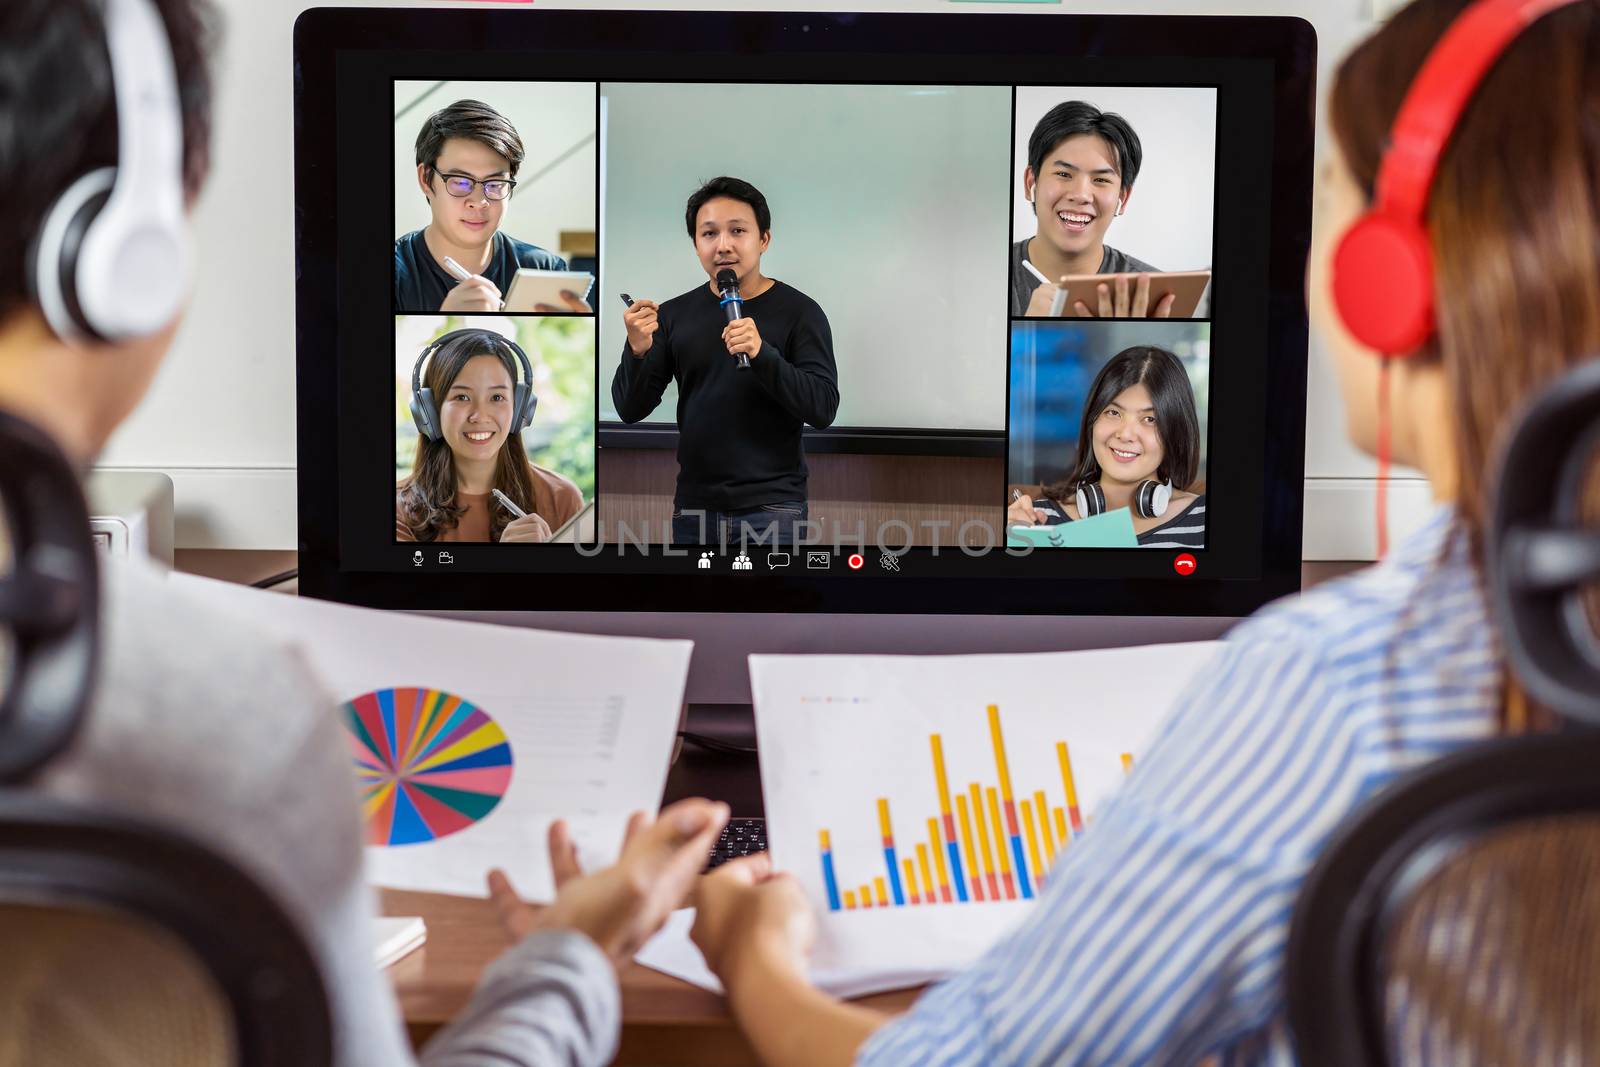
{"x":1023,"y":513}
{"x":531,"y":528}
{"x":1042,"y":300}
{"x":642,"y":324}
{"x":744,"y":911}
{"x":476,"y":293}
{"x":1115,"y":300}
{"x":741,"y":335}
{"x":621,"y":907}
{"x":571,"y":302}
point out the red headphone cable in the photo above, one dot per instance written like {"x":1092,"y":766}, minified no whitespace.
{"x":1383,"y":457}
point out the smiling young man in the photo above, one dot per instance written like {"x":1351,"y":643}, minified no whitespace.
{"x":1082,"y":163}
{"x":467,"y":160}
{"x":741,"y":463}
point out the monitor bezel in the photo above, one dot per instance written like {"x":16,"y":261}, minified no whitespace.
{"x":841,"y":44}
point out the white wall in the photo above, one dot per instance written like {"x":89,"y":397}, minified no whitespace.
{"x":220,"y":419}
{"x":555,"y":120}
{"x":1170,"y":214}
{"x":863,"y":209}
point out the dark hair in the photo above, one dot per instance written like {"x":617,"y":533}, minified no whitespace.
{"x":1163,"y":375}
{"x":58,"y":116}
{"x":1516,"y":261}
{"x":1078,"y":117}
{"x":733,"y":189}
{"x":1513,"y":220}
{"x":472,"y":120}
{"x":425,"y":500}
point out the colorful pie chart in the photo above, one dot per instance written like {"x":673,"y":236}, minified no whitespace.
{"x":430,"y":764}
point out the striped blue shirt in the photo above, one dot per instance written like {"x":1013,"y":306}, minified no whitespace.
{"x":1161,"y":936}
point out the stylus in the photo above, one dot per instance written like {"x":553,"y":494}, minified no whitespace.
{"x":505,"y":501}
{"x":627,"y":300}
{"x":1060,"y":299}
{"x":462,"y":273}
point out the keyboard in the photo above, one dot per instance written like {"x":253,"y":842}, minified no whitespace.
{"x":741,"y":837}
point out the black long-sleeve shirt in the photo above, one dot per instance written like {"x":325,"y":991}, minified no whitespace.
{"x":739,"y":443}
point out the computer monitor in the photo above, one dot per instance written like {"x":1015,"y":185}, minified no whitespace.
{"x":1022,"y":298}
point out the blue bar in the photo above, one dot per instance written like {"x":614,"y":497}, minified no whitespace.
{"x":894,"y":878}
{"x":827,"y":878}
{"x":955,"y":870}
{"x":1022,"y":868}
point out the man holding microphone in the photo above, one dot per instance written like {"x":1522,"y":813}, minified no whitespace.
{"x":746,"y":387}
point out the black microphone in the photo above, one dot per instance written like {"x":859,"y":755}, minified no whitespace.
{"x":732,"y":304}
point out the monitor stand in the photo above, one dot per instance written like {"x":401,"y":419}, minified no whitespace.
{"x":719,"y":674}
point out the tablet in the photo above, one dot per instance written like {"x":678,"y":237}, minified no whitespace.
{"x":533,"y":287}
{"x":1188,"y":285}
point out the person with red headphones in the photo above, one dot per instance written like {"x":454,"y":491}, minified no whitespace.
{"x":1455,"y":269}
{"x":201,"y":724}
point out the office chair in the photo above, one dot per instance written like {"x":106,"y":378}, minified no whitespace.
{"x":1456,"y":918}
{"x":120,"y":942}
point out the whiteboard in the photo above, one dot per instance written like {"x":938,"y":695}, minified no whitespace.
{"x":890,"y":208}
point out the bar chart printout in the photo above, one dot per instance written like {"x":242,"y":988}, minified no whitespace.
{"x":986,"y":844}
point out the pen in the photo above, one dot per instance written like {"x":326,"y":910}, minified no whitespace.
{"x":1059,"y":301}
{"x":461,"y":273}
{"x":627,"y":300}
{"x":1031,"y":269}
{"x":509,"y":506}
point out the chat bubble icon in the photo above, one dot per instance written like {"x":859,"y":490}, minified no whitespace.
{"x":776,"y":560}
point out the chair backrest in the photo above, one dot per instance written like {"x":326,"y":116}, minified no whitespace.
{"x":1456,"y":919}
{"x":169,"y":911}
{"x":121,"y":942}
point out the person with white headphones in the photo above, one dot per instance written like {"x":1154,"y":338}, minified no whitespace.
{"x":200,"y":723}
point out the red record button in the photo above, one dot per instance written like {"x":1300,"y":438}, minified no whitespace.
{"x":855,"y":561}
{"x":1184,"y":564}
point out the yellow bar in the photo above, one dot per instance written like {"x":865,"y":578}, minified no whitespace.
{"x":938,"y":854}
{"x":999,"y":831}
{"x":1033,"y":839}
{"x":1061,"y":828}
{"x":938,"y":773}
{"x":883,"y":891}
{"x":1127,"y":762}
{"x":827,"y":842}
{"x":883,"y":817}
{"x":927,"y":872}
{"x":849,"y":899}
{"x":1066,"y":774}
{"x":912,"y":896}
{"x":983,"y":828}
{"x":967,"y":849}
{"x":1000,"y":753}
{"x":1041,"y":806}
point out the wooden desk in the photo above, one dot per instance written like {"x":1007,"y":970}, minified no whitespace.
{"x":665,"y":1021}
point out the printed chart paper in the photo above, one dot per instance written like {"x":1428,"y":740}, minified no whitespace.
{"x":467,"y":740}
{"x":922,"y":800}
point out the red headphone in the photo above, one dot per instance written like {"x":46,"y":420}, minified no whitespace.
{"x":1383,"y":267}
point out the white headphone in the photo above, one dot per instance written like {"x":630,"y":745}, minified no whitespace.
{"x":111,"y":260}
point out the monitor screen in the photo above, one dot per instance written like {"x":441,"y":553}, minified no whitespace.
{"x":969,"y":313}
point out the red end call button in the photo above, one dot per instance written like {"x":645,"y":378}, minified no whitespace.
{"x":1184,"y":564}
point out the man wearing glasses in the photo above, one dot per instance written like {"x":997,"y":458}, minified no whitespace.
{"x":467,"y":160}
